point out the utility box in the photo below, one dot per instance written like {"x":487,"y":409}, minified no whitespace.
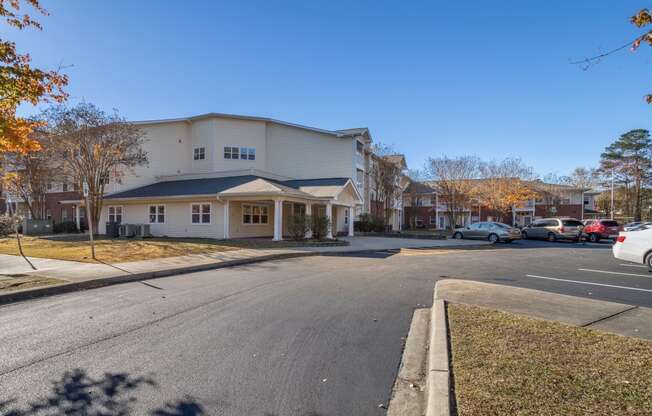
{"x":112,"y":229}
{"x":37,"y":227}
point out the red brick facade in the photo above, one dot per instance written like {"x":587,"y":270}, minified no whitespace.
{"x":58,"y":211}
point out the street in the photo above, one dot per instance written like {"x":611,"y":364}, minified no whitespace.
{"x":313,"y":336}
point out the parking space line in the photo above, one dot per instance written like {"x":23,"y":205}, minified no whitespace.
{"x":588,"y":283}
{"x":633,"y":265}
{"x":621,"y":273}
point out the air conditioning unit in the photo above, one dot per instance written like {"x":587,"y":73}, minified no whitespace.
{"x":143,"y":231}
{"x":131,"y":230}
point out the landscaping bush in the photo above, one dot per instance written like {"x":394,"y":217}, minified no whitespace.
{"x":65,"y":227}
{"x":369,"y":224}
{"x":320,"y":224}
{"x":6,"y":225}
{"x":298,"y":226}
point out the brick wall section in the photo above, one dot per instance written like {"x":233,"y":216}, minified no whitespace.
{"x":424,"y":213}
{"x":53,"y":203}
{"x":573,"y":211}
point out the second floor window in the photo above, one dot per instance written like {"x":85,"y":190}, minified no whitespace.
{"x":65,"y":187}
{"x":242,"y":153}
{"x":200,"y":153}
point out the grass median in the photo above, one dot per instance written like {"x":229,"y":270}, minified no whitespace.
{"x":506,"y":364}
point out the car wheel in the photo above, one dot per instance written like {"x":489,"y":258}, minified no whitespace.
{"x":552,"y":237}
{"x":493,"y":238}
{"x":524,"y":235}
{"x":648,"y":261}
{"x":458,"y":236}
{"x":594,"y":238}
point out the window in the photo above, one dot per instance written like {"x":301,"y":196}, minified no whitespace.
{"x":433,"y":220}
{"x":64,"y":214}
{"x":255,"y":214}
{"x":115,"y":214}
{"x":48,"y":214}
{"x":419,"y":202}
{"x":298,"y":209}
{"x":49,"y":186}
{"x":359,"y":146}
{"x":104,"y":180}
{"x":242,"y":153}
{"x":231,"y":153}
{"x":200,"y":153}
{"x":346,"y":216}
{"x":200,"y":213}
{"x":157,"y":214}
{"x":64,"y":187}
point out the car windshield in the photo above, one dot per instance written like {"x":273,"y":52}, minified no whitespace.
{"x":609,"y":223}
{"x":572,"y":223}
{"x":501,"y":225}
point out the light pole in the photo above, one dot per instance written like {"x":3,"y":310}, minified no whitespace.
{"x":612,"y":195}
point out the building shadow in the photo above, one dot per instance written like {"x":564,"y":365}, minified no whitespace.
{"x":113,"y":394}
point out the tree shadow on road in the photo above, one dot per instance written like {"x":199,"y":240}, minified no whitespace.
{"x":112,"y":394}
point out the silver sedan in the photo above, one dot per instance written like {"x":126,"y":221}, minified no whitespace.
{"x":492,"y":231}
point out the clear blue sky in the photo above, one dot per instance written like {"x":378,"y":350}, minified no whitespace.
{"x":433,"y":77}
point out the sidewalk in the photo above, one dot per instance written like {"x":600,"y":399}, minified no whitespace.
{"x":622,"y":319}
{"x":78,"y":276}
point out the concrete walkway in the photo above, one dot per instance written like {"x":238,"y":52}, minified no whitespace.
{"x":613,"y":317}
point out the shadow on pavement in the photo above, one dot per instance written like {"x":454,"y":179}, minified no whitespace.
{"x":525,"y":244}
{"x":113,"y":394}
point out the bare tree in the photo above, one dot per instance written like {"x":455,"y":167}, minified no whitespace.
{"x":504,"y":183}
{"x":583,"y":178}
{"x":28,"y":174}
{"x":385,"y":178}
{"x":94,"y":146}
{"x":412,"y":194}
{"x":455,"y":182}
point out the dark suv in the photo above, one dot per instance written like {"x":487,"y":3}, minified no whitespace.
{"x":553,"y":229}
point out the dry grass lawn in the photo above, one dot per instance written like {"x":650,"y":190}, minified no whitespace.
{"x":17,"y":282}
{"x":111,"y":251}
{"x":505,"y":364}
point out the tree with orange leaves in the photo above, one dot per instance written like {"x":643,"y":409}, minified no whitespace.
{"x":21,"y":83}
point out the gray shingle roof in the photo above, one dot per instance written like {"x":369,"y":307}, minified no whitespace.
{"x":211,"y":186}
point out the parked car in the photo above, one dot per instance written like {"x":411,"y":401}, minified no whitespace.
{"x":553,"y":229}
{"x":640,"y":226}
{"x":630,"y":225}
{"x":488,"y":230}
{"x":595,"y":230}
{"x":635,"y":246}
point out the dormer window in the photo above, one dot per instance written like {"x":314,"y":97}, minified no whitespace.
{"x":199,"y":153}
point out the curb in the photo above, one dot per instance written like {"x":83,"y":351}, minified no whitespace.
{"x":28,"y":294}
{"x":438,"y":375}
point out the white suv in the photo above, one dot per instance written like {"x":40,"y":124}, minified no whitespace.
{"x":635,"y":246}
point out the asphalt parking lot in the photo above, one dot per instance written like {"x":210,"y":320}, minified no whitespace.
{"x":299,"y":337}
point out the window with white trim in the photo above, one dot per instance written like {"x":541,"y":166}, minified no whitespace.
{"x":242,"y":153}
{"x":64,"y":187}
{"x":157,"y":214}
{"x":115,"y":214}
{"x":255,"y":214}
{"x":199,"y":153}
{"x":346,"y":216}
{"x":200,"y":213}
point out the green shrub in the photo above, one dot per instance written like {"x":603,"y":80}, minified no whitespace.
{"x":298,"y":226}
{"x":65,"y":227}
{"x":6,"y":225}
{"x":367,"y":223}
{"x":320,"y":225}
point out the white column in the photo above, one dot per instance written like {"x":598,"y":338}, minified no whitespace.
{"x":227,"y":218}
{"x":329,"y":215}
{"x":77,"y":221}
{"x":351,"y":208}
{"x":278,"y":220}
{"x":309,"y":213}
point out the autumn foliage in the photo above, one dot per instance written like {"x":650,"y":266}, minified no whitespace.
{"x":21,"y":83}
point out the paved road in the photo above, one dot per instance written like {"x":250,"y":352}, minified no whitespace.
{"x":313,"y":336}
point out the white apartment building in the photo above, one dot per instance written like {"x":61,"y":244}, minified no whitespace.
{"x":229,"y":176}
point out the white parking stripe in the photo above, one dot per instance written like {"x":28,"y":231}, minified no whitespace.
{"x":588,"y":283}
{"x":633,"y":265}
{"x":621,"y":273}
